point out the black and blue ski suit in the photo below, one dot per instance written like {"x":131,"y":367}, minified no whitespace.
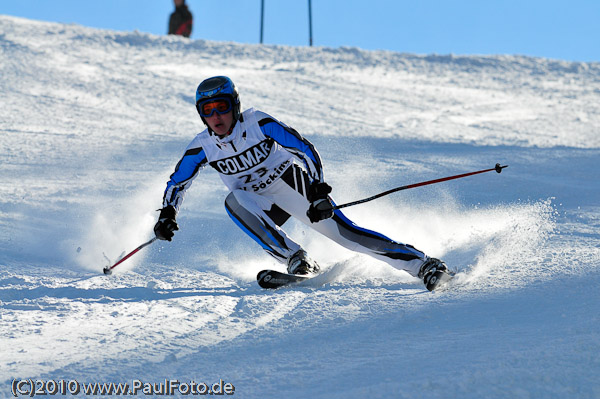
{"x":268,"y":168}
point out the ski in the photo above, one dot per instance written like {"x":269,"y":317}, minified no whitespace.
{"x":272,"y":279}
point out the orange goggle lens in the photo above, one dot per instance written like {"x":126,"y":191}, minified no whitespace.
{"x":209,"y":108}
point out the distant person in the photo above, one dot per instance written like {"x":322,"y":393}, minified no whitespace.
{"x":180,"y":22}
{"x":273,"y":173}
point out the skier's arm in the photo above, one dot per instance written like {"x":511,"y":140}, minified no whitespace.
{"x":185,"y":172}
{"x":321,"y":206}
{"x":292,"y":141}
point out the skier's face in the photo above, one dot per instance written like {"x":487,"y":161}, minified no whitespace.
{"x":220,"y":124}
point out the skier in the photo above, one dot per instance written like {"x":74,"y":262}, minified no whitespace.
{"x":273,"y":173}
{"x":180,"y":20}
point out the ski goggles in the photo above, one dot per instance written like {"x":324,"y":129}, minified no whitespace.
{"x":209,"y":107}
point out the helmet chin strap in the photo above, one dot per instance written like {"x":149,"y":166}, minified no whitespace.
{"x":231,"y":128}
{"x":226,"y":134}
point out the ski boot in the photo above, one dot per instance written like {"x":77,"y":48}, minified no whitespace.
{"x":300,"y":263}
{"x":434,"y":273}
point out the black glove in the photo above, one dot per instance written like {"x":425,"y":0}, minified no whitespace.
{"x":166,"y":225}
{"x":321,"y":206}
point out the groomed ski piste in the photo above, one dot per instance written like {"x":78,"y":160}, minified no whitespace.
{"x":93,"y":122}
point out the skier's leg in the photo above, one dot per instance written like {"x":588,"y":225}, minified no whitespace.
{"x":260,"y":219}
{"x":291,"y":197}
{"x":346,"y":233}
{"x":401,"y":256}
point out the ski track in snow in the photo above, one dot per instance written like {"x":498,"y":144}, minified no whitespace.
{"x":93,"y":121}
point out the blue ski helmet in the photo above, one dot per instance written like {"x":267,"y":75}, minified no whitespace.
{"x":218,"y":87}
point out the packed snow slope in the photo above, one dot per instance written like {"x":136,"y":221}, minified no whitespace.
{"x":93,"y":122}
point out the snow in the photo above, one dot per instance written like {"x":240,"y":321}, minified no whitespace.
{"x":93,"y":121}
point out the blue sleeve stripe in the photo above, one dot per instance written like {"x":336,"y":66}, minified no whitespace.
{"x":291,"y":140}
{"x":186,"y":170}
{"x":188,"y":166}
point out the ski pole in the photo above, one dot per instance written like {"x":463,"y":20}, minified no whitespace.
{"x":497,"y":168}
{"x":108,"y":269}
